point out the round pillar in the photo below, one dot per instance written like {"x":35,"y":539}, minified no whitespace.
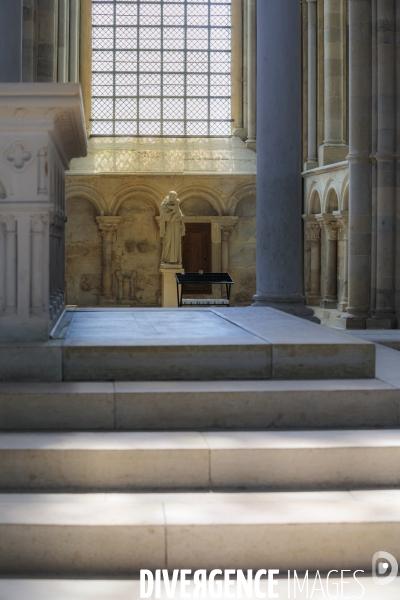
{"x":279,"y":201}
{"x":360,"y":187}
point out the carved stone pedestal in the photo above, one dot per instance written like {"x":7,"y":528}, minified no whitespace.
{"x":41,"y":130}
{"x":168,"y":285}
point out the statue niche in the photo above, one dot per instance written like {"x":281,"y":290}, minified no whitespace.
{"x":172,"y":229}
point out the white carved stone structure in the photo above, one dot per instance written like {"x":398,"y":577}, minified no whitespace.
{"x":41,"y":130}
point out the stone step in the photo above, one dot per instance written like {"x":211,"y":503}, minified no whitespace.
{"x":118,"y":534}
{"x":199,"y":460}
{"x":200,"y":405}
{"x":59,"y":589}
{"x":189,"y":344}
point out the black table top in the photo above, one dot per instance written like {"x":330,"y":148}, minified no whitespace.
{"x":216,"y":278}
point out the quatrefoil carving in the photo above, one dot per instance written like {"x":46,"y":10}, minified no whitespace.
{"x":17,"y":157}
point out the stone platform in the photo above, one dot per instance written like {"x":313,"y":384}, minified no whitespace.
{"x":194,"y":344}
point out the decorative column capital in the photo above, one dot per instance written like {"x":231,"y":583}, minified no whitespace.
{"x":332,"y":230}
{"x":312,"y":231}
{"x":226,"y":231}
{"x":342,"y":218}
{"x":39,"y":222}
{"x":10,"y":223}
{"x":330,"y":224}
{"x":108,"y":227}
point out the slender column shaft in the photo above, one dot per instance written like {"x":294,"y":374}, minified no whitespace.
{"x":74,"y":41}
{"x":85,"y":59}
{"x":107,"y":273}
{"x":346,"y":270}
{"x":333,"y":72}
{"x":225,"y":233}
{"x":386,"y":145}
{"x":251,"y":71}
{"x":315,"y":267}
{"x":279,"y":236}
{"x":108,"y":227}
{"x":10,"y":41}
{"x":29,"y":57}
{"x":237,"y":66}
{"x":360,"y":198}
{"x":331,"y":269}
{"x":63,"y":41}
{"x":312,"y":82}
{"x":11,"y":265}
{"x":330,"y":226}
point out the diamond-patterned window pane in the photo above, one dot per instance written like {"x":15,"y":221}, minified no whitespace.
{"x":174,"y":108}
{"x":161,"y":68}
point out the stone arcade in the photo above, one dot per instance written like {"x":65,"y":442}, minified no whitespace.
{"x":118,"y":415}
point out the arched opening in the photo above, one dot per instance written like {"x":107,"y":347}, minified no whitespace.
{"x":332,"y":202}
{"x":197,"y":207}
{"x":315,"y":203}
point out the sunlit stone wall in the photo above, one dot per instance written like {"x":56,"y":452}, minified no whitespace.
{"x":114,"y":197}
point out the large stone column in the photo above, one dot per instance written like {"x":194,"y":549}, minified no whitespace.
{"x":384,"y":314}
{"x":10,"y":41}
{"x":312,"y":159}
{"x":334,"y":148}
{"x":398,"y":161}
{"x":360,"y":191}
{"x":108,"y":227}
{"x":251,"y":141}
{"x":41,"y":130}
{"x":279,"y":244}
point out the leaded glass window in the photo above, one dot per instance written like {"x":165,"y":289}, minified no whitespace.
{"x":161,"y":68}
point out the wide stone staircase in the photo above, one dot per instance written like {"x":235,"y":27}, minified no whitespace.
{"x":101,"y":479}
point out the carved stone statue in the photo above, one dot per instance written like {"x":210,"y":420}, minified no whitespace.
{"x":172,"y":229}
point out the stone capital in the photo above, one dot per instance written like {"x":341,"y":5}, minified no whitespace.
{"x":328,"y":222}
{"x":226,"y":231}
{"x":332,"y":230}
{"x":312,"y":231}
{"x":10,"y":223}
{"x":108,"y":227}
{"x":342,"y":218}
{"x":343,"y":225}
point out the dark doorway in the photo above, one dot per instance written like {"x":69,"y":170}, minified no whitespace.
{"x":196,"y":253}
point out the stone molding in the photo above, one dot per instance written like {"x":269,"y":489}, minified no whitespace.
{"x":50,"y":107}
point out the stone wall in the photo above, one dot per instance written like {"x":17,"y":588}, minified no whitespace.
{"x":227,"y":202}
